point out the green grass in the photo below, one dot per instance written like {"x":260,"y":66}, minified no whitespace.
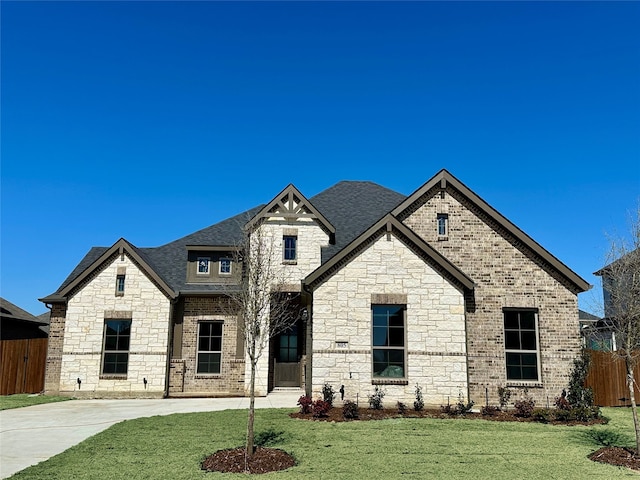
{"x":172,"y":447}
{"x":26,"y":400}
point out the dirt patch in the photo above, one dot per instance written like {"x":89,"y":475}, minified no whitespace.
{"x":622,"y":457}
{"x":264,"y":460}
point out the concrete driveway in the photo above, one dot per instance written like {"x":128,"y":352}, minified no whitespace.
{"x":33,"y":434}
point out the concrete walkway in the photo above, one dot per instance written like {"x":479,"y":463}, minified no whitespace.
{"x":33,"y":434}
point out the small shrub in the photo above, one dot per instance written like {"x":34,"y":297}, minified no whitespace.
{"x":402,"y":408}
{"x":504,"y":394}
{"x":305,"y":402}
{"x":584,"y":414}
{"x":489,"y":410}
{"x":448,"y":409}
{"x":375,"y":400}
{"x":328,"y":394}
{"x":418,"y":404}
{"x":579,"y":395}
{"x":350,"y":409}
{"x":524,"y":407}
{"x":320,"y":408}
{"x":461,"y":407}
{"x":542,"y":415}
{"x":561,"y":402}
{"x":562,"y":415}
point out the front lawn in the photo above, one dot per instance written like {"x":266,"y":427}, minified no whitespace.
{"x":27,"y":399}
{"x":172,"y":447}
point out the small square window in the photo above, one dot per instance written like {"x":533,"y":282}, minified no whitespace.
{"x":443,"y":224}
{"x":225,"y":266}
{"x":203,"y":265}
{"x":120,"y":285}
{"x":290,"y":250}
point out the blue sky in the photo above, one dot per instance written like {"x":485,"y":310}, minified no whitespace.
{"x":152,"y":120}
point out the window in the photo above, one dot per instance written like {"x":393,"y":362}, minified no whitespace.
{"x":388,"y":341}
{"x":115,"y":356}
{"x":203,"y":265}
{"x":443,"y":224}
{"x":209,"y":347}
{"x":288,"y":345}
{"x":225,"y":266}
{"x":120,"y":285}
{"x":290,"y":247}
{"x":521,"y":344}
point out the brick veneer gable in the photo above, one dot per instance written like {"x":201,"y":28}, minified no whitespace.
{"x":506,"y":274}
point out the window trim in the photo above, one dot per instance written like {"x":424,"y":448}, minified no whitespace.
{"x":379,"y":380}
{"x":521,"y":381}
{"x":443,"y":221}
{"x":226,"y":259}
{"x":198,"y":272}
{"x":198,"y":351}
{"x":285,"y":249}
{"x":106,"y":352}
{"x":120,"y":284}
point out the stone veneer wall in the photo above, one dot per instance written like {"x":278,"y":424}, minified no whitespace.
{"x":311,"y":237}
{"x":505,"y":276}
{"x":435,"y":326}
{"x":230,"y":381}
{"x":83,"y":325}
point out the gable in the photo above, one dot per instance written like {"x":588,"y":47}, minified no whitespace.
{"x":291,"y":205}
{"x":443,"y":184}
{"x":390,"y":226}
{"x":106,"y":257}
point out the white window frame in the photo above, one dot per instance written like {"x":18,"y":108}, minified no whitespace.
{"x":208,"y":260}
{"x":225,"y":259}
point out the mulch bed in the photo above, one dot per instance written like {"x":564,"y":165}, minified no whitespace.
{"x":264,"y":460}
{"x":267,"y":460}
{"x":622,"y":457}
{"x":335,"y":415}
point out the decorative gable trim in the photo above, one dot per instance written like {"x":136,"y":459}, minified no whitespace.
{"x":120,"y":248}
{"x":389,"y":225}
{"x":290,"y":204}
{"x":444,"y":180}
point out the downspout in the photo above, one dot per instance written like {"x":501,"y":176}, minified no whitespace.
{"x":167,"y":374}
{"x":308,"y":341}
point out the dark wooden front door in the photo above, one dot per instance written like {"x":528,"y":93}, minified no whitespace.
{"x":286,"y":366}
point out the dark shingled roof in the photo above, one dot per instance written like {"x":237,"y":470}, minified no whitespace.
{"x":10,"y":311}
{"x":350,"y":206}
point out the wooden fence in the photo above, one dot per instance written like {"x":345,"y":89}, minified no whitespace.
{"x":608,"y":379}
{"x":22,"y":364}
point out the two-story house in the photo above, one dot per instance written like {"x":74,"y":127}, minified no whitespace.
{"x":435,"y":289}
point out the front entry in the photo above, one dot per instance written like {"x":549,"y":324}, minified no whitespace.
{"x":286,"y":361}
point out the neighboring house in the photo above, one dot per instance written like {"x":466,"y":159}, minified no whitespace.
{"x":23,"y":349}
{"x":436,"y":289}
{"x":596,"y":332}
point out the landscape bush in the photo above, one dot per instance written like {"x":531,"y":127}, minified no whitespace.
{"x":375,"y":399}
{"x":305,"y":402}
{"x":350,"y":410}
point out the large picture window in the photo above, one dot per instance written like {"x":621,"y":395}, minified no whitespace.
{"x":521,"y":344}
{"x":209,"y":347}
{"x":115,"y":356}
{"x":388,"y":341}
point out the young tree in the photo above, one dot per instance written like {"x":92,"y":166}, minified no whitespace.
{"x":261,"y":304}
{"x":621,"y":287}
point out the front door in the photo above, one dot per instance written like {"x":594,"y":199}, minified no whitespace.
{"x":286,"y":366}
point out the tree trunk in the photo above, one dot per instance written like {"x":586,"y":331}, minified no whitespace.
{"x":249,"y":450}
{"x":632,"y":396}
